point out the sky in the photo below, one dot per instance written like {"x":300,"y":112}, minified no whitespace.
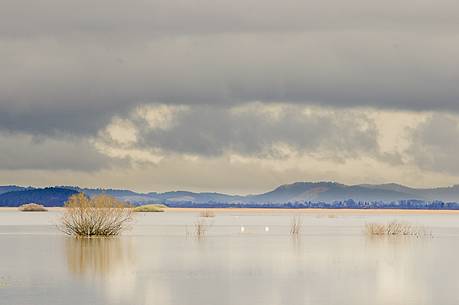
{"x":230,"y":96}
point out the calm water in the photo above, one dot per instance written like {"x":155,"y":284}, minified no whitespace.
{"x":160,"y":262}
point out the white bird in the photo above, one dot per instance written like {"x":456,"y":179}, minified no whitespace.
{"x":266,"y":229}
{"x":242,"y":229}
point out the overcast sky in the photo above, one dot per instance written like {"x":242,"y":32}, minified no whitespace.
{"x":231,"y":96}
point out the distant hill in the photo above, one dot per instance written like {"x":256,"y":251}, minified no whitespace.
{"x":329,"y":192}
{"x":51,"y":196}
{"x":97,"y":191}
{"x":11,"y":188}
{"x":179,"y":196}
{"x":299,"y":192}
{"x":314,"y":192}
{"x":305,"y":191}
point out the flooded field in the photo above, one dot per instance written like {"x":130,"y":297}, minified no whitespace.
{"x":242,"y":258}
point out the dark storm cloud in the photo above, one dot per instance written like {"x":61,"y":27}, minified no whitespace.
{"x":69,"y":66}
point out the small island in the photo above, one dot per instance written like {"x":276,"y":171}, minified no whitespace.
{"x":32,"y":207}
{"x":147,"y":208}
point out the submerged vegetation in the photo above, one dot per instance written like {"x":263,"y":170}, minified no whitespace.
{"x":207,"y":213}
{"x":201,"y":226}
{"x":99,"y":216}
{"x":395,"y":228}
{"x":296,"y":225}
{"x":32,"y":207}
{"x":150,"y":208}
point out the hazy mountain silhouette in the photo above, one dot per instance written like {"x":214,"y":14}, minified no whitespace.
{"x":330,"y":191}
{"x":51,"y":196}
{"x":12,"y":188}
{"x":288,"y":193}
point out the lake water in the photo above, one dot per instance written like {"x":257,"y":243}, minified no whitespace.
{"x":246,"y":258}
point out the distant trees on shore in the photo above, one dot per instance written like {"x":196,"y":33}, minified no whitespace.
{"x":345,"y":204}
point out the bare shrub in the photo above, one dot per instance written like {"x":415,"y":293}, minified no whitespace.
{"x":295,"y":226}
{"x":200,"y":228}
{"x":375,"y":229}
{"x":99,"y":216}
{"x":32,"y":207}
{"x":207,"y":213}
{"x":394,"y":228}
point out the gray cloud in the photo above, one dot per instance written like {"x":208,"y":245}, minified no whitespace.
{"x":70,"y":67}
{"x":53,"y":17}
{"x":23,"y":152}
{"x":56,"y":121}
{"x":254,"y":131}
{"x":435,"y":144}
{"x":329,"y":68}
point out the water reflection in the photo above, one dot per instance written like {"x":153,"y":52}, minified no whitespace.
{"x":332,"y":262}
{"x":106,"y":263}
{"x":98,"y":257}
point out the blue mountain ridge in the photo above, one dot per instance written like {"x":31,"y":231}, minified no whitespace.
{"x":298,"y":192}
{"x":50,"y":196}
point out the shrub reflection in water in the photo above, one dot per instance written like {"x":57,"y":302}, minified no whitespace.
{"x":98,"y":256}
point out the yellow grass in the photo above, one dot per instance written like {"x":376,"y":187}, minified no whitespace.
{"x":394,"y":228}
{"x":32,"y":207}
{"x":150,"y":208}
{"x":99,"y":216}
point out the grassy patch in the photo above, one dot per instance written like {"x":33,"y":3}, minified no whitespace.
{"x":150,"y":208}
{"x":32,"y":207}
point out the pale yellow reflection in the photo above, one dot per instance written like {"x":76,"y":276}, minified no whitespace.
{"x":99,"y":257}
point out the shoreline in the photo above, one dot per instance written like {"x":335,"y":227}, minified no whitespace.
{"x":317,"y":211}
{"x":287,"y":210}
